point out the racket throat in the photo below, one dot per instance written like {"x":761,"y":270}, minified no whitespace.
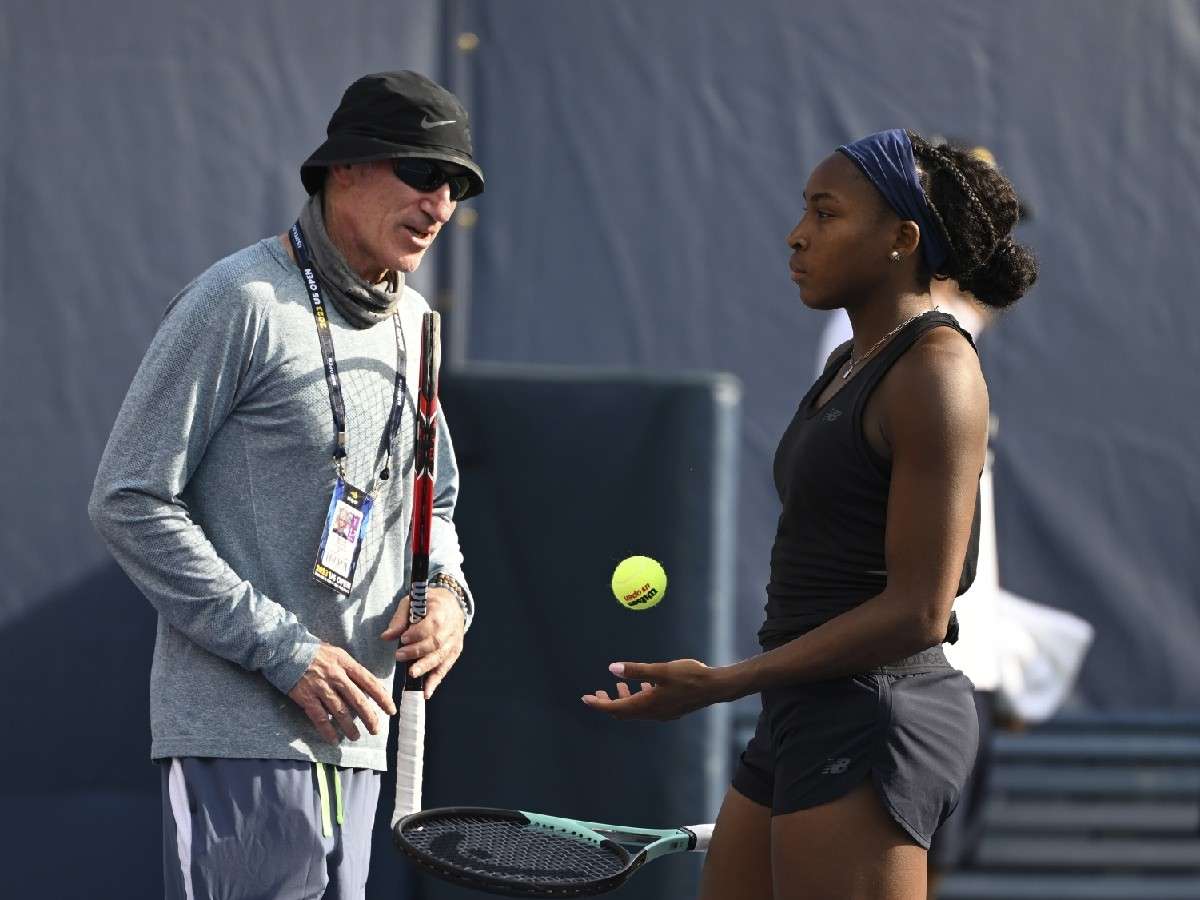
{"x":650,"y":843}
{"x":565,"y":828}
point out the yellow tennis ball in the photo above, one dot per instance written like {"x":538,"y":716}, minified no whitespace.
{"x":639,"y":582}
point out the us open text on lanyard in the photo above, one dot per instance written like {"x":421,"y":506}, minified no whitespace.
{"x":350,"y":508}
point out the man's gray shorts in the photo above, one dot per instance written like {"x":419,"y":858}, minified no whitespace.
{"x":266,"y":829}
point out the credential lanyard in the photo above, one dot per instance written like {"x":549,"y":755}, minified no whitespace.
{"x":329,"y":360}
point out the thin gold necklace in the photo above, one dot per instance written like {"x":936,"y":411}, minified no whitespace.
{"x":855,"y":362}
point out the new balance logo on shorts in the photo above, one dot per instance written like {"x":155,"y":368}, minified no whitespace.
{"x":836,"y":766}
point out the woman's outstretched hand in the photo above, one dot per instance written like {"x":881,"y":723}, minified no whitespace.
{"x":668,"y":690}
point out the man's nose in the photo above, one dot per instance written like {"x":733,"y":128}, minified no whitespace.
{"x":438,"y":203}
{"x":796,"y":240}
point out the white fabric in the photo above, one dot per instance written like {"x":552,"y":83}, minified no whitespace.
{"x":976,"y":652}
{"x":1040,"y":651}
{"x":1029,"y":653}
{"x":177,"y":793}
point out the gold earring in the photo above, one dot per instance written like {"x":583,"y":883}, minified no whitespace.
{"x":894,"y":256}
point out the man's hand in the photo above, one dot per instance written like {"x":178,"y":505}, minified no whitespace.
{"x":334,"y":690}
{"x":434,"y":644}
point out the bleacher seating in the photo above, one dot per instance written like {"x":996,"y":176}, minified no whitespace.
{"x":1088,"y":806}
{"x":1103,"y":807}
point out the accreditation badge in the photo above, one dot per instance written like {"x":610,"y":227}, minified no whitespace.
{"x":345,"y":527}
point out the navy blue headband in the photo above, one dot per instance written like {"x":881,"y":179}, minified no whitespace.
{"x":886,"y":158}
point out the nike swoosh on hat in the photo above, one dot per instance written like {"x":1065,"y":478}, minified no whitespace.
{"x":425,"y":123}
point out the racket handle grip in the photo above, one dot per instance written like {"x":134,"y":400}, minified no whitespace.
{"x":410,"y":754}
{"x":410,"y":733}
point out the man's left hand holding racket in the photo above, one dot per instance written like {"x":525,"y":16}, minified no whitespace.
{"x":432,"y":646}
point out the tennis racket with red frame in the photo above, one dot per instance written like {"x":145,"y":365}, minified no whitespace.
{"x":410,"y":742}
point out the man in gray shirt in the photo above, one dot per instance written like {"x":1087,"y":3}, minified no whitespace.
{"x":255,"y":409}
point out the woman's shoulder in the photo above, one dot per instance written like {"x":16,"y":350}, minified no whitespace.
{"x":943,"y":341}
{"x":939,"y":372}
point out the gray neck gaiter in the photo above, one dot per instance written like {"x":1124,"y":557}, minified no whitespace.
{"x":361,"y":304}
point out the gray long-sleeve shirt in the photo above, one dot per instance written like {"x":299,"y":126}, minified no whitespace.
{"x":212,"y":495}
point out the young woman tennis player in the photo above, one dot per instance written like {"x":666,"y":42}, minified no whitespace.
{"x":866,"y":734}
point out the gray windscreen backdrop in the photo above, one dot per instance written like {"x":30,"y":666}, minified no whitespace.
{"x":139,"y":143}
{"x":646,"y":160}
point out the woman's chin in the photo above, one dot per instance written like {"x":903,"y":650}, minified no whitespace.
{"x":812,"y":301}
{"x":818,"y":301}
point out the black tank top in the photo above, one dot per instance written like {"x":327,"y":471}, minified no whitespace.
{"x":829,"y":546}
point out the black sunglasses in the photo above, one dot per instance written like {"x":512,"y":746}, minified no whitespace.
{"x":425,"y":175}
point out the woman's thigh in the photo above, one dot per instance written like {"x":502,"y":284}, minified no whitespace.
{"x":848,"y":849}
{"x":738,"y":863}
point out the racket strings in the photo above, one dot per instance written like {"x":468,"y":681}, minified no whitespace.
{"x":510,"y":850}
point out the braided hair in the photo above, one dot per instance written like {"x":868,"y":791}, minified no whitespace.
{"x":976,"y":208}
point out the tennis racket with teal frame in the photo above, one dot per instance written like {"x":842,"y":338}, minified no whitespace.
{"x":523,"y":854}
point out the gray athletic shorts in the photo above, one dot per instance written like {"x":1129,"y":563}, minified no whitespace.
{"x":957,"y":841}
{"x":266,"y":829}
{"x":911,"y":728}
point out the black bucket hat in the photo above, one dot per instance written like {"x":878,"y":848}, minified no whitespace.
{"x":393,"y":114}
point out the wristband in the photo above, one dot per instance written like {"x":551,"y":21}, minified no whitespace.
{"x":442,"y":580}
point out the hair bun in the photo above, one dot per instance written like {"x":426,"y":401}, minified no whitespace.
{"x":1004,"y":278}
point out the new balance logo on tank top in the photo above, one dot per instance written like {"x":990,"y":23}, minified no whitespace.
{"x":828,"y":555}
